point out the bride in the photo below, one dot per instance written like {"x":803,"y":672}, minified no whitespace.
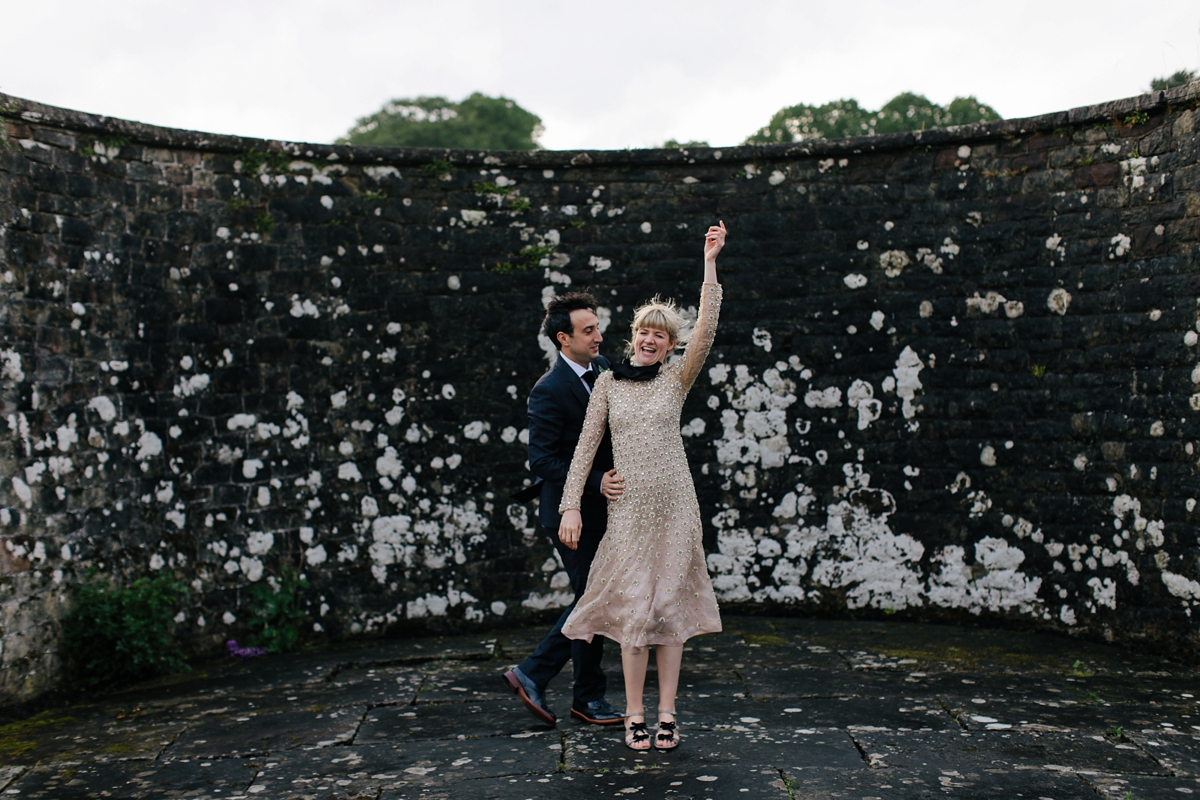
{"x":649,"y":584}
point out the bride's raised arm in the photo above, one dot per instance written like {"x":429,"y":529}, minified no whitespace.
{"x":710,"y":309}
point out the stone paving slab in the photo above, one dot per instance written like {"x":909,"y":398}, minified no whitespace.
{"x":772,"y":708}
{"x":195,"y":780}
{"x":925,"y":784}
{"x":228,"y":736}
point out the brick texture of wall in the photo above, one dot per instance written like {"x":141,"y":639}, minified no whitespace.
{"x":957,"y":371}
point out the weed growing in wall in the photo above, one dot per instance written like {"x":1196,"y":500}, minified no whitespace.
{"x":275,"y":606}
{"x":264,"y":223}
{"x":438,"y":169}
{"x":1137,"y":118}
{"x":374,"y":195}
{"x":112,"y":146}
{"x":255,"y":160}
{"x":531,"y":257}
{"x":519,"y":205}
{"x":492,"y":188}
{"x":115,"y":635}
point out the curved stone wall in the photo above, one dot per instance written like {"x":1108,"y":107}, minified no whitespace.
{"x":956,"y":374}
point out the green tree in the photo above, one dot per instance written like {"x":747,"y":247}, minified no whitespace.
{"x":671,"y":144}
{"x":1180,"y":78}
{"x":477,"y":123}
{"x":843,"y":118}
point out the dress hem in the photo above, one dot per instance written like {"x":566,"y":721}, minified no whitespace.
{"x":675,"y":641}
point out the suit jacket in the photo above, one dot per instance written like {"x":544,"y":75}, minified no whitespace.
{"x":557,"y":406}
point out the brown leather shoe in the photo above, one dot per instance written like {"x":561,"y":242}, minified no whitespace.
{"x":530,"y":696}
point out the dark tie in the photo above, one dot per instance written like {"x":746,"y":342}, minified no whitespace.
{"x":589,"y":378}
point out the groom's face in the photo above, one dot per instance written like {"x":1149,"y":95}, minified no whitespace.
{"x":583,"y":345}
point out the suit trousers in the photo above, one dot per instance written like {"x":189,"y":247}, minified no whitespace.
{"x":555,"y":650}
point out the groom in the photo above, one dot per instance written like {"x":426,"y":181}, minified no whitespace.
{"x":557,"y":406}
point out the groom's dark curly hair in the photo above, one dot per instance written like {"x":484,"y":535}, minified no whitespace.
{"x":558,"y":313}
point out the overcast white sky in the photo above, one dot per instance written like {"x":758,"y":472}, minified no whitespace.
{"x":613,"y":74}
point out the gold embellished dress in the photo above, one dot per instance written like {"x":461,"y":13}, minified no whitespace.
{"x":649,"y":582}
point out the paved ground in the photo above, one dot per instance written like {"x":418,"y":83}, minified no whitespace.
{"x":773,"y":708}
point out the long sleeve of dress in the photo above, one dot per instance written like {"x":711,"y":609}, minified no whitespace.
{"x":703,"y":334}
{"x":589,"y":439}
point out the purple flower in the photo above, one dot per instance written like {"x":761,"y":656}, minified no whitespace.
{"x":243,"y":653}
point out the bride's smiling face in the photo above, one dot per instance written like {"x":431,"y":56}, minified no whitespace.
{"x":651,"y":345}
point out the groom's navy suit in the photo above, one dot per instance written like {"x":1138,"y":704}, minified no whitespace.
{"x":557,"y":406}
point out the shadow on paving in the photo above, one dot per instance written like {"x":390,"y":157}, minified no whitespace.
{"x":772,"y":708}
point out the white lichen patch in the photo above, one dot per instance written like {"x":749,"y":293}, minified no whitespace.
{"x":861,"y":397}
{"x":10,"y":366}
{"x":908,"y":381}
{"x":1059,"y":301}
{"x":988,"y":304}
{"x":104,"y":407}
{"x":754,"y":425}
{"x":1000,"y":587}
{"x":894,"y":262}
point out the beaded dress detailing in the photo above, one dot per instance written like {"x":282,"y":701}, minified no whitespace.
{"x":649,"y":582}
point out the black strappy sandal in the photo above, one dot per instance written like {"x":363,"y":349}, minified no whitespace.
{"x":668,"y":732}
{"x":636,"y":736}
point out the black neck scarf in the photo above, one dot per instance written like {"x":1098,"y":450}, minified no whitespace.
{"x":624,"y":371}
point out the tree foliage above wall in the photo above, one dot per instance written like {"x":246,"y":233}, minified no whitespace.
{"x":844,"y":118}
{"x":1178,"y":78}
{"x":479,"y":122}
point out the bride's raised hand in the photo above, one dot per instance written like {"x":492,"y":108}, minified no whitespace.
{"x":714,"y":240}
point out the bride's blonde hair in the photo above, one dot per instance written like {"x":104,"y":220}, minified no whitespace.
{"x":662,"y":315}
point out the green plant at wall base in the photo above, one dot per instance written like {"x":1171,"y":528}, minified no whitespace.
{"x":264,"y":223}
{"x":1038,"y":370}
{"x":116,"y":635}
{"x":1137,"y":118}
{"x":374,"y":195}
{"x":1080,"y":670}
{"x":276,"y":612}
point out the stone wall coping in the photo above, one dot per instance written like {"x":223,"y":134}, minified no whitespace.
{"x":36,"y":113}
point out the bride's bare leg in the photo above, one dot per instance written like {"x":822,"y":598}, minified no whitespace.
{"x":634,"y":666}
{"x":669,"y":661}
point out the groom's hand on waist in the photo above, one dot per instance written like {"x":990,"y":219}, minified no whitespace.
{"x":612,"y":485}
